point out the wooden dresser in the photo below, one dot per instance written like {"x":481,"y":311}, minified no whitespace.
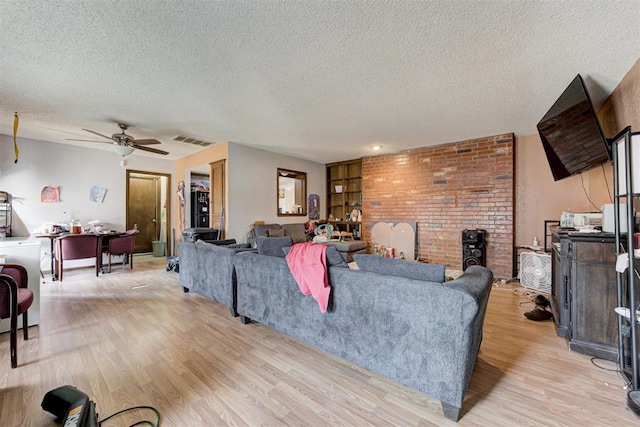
{"x":584,"y":292}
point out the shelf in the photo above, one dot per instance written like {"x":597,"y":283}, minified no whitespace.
{"x":6,"y":214}
{"x":348,"y":175}
{"x":627,"y":281}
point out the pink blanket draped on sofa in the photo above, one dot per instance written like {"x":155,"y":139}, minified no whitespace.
{"x":308,"y":265}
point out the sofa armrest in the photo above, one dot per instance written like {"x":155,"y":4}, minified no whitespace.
{"x":208,"y":270}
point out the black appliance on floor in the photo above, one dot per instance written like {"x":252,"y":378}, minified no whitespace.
{"x":71,"y":407}
{"x":200,"y":233}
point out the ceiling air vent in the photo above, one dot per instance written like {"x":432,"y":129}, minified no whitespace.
{"x":192,"y":141}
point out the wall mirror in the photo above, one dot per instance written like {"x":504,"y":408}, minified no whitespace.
{"x":292,"y":193}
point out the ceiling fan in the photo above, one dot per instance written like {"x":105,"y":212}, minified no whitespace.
{"x":124,"y":144}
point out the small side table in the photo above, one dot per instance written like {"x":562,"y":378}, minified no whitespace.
{"x":51,"y":237}
{"x":340,"y":236}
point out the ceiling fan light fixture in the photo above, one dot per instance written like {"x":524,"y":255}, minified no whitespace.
{"x":123,"y":150}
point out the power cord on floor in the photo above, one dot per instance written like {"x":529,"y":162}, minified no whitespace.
{"x":526,"y":295}
{"x":157,"y":423}
{"x":627,"y":383}
{"x":540,"y":304}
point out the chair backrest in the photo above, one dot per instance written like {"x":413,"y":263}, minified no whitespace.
{"x":123,"y":244}
{"x":19,"y":275}
{"x":78,"y":246}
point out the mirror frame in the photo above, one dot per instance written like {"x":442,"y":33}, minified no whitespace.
{"x":289,"y":173}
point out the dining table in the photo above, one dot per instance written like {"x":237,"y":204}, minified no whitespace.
{"x":104,"y":236}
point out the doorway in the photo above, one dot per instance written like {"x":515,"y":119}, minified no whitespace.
{"x":148,"y":209}
{"x":215,"y":174}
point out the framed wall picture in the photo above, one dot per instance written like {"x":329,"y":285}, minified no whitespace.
{"x":314,"y":207}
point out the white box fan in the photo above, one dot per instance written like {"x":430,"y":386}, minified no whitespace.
{"x":535,"y":271}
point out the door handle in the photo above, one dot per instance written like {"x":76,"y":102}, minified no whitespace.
{"x":153,"y":220}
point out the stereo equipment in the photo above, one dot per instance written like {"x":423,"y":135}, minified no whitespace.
{"x":473,"y":248}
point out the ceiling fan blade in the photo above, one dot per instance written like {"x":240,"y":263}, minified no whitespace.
{"x":149,"y":149}
{"x":88,"y":140}
{"x":96,"y":133}
{"x":146,"y":141}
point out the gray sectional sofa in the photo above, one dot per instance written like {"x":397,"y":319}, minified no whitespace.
{"x":422,"y":333}
{"x":394,"y":317}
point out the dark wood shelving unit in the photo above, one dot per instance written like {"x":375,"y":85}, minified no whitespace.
{"x":344,"y":194}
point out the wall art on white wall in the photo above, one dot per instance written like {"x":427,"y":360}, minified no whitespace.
{"x":314,"y":206}
{"x":97,"y":194}
{"x":50,"y":194}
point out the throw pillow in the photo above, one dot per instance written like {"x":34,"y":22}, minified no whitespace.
{"x":400,"y":268}
{"x":272,"y":246}
{"x":276,"y":232}
{"x":296,"y":231}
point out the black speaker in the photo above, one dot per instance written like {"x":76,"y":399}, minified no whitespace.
{"x":473,"y":248}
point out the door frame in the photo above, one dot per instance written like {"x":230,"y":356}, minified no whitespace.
{"x":217,"y":192}
{"x":167,"y":197}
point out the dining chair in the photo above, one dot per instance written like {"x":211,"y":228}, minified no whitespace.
{"x":121,"y":245}
{"x":76,"y":246}
{"x":15,"y":299}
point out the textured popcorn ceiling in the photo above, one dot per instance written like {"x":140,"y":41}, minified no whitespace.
{"x":323,"y":80}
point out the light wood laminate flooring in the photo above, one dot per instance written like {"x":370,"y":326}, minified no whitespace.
{"x":134,"y":338}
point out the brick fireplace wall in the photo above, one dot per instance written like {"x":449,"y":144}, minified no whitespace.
{"x":446,"y":189}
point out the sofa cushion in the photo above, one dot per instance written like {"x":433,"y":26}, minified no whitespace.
{"x":239,"y":245}
{"x":296,"y":232}
{"x":233,"y":247}
{"x":224,"y":242}
{"x":334,"y":259}
{"x":272,"y":246}
{"x":263,"y":229}
{"x":400,"y":267}
{"x":275,"y":232}
{"x":349,"y":246}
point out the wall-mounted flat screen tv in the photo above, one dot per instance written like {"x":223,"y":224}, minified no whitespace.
{"x":571,"y":135}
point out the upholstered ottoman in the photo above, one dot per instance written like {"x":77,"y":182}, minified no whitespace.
{"x":347,"y":249}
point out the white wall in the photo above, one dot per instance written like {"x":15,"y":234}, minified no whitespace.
{"x":74,"y":170}
{"x":252,"y":187}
